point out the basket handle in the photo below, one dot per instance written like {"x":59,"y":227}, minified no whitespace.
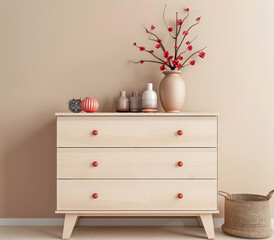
{"x":225,"y":194}
{"x":269,"y":195}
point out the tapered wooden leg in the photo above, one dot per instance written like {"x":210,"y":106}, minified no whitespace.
{"x":76,"y":222}
{"x":70,"y":220}
{"x":207,"y":221}
{"x":200,"y":221}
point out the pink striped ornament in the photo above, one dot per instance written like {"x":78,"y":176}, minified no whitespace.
{"x":89,"y":105}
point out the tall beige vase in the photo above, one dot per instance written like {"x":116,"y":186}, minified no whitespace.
{"x":172,"y":91}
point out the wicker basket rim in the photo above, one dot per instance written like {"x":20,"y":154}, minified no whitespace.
{"x":263,"y":198}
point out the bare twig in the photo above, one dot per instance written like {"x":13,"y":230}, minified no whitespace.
{"x":186,"y":35}
{"x":177,"y":34}
{"x":155,"y":56}
{"x":191,"y":57}
{"x":166,"y":23}
{"x":184,"y":66}
{"x":143,"y":61}
{"x":162,"y":46}
{"x":151,"y":54}
{"x":187,"y":47}
{"x":183,"y":22}
{"x":176,"y":38}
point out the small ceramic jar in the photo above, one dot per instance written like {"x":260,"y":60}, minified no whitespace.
{"x":135,"y":102}
{"x":122,"y":104}
{"x":149,"y":99}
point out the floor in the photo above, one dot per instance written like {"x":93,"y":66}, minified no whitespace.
{"x":111,"y":233}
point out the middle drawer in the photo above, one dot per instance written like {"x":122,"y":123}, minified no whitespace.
{"x":137,"y":163}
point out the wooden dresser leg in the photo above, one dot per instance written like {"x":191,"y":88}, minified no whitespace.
{"x":200,"y":221}
{"x":207,"y":221}
{"x":70,"y":220}
{"x":76,"y":222}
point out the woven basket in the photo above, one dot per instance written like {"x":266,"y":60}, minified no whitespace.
{"x":247,"y":215}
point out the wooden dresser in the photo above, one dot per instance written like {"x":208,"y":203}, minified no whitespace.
{"x":137,"y":164}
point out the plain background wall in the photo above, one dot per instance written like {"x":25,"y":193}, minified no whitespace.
{"x":54,"y":50}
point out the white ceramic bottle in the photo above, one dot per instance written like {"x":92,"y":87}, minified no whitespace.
{"x":149,"y":99}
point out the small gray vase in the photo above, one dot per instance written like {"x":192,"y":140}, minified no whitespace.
{"x":122,"y":104}
{"x":135,"y":102}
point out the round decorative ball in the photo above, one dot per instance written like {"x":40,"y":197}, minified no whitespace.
{"x":90,"y":105}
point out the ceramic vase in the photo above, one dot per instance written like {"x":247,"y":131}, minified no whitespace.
{"x":122,"y":104}
{"x":149,"y":99}
{"x":135,"y":102}
{"x":172,"y":91}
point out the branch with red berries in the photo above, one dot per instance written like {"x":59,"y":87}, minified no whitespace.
{"x":167,"y":60}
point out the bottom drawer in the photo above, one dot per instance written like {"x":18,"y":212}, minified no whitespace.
{"x":136,"y":194}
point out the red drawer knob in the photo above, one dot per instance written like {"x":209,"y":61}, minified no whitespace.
{"x":95,"y":195}
{"x":180,"y":195}
{"x":95,"y":164}
{"x":180,"y":132}
{"x":95,"y":132}
{"x":180,"y":163}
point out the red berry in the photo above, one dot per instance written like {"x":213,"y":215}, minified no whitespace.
{"x":158,"y":46}
{"x":192,"y":62}
{"x":162,"y":67}
{"x":202,"y":54}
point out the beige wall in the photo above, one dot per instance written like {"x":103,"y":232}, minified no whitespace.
{"x":54,"y":50}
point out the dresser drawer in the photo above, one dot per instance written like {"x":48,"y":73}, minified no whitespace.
{"x":137,"y":195}
{"x":137,"y":132}
{"x":137,"y":163}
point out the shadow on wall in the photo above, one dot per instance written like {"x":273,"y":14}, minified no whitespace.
{"x":29,"y":172}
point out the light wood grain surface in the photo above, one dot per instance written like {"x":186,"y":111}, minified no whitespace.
{"x":129,"y":114}
{"x":136,"y":194}
{"x":137,"y":132}
{"x":137,"y":171}
{"x":137,"y":163}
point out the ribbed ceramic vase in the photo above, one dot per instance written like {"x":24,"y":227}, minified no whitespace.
{"x":172,"y":91}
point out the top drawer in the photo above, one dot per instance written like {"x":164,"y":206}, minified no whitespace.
{"x":137,"y":131}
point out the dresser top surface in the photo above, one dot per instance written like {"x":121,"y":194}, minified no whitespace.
{"x":129,"y":114}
